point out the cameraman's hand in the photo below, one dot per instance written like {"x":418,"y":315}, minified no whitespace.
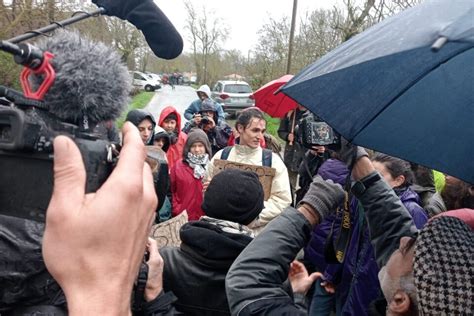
{"x":362,"y":166}
{"x":154,"y":283}
{"x":197,"y":118}
{"x":211,"y":124}
{"x":93,"y":243}
{"x":318,"y":150}
{"x":350,"y":153}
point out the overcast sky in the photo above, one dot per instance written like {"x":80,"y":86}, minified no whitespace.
{"x":243,"y":17}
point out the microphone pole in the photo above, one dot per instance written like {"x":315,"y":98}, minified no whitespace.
{"x":78,"y":16}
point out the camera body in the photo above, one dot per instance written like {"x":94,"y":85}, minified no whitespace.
{"x":205,"y":119}
{"x":26,"y":159}
{"x":312,"y":131}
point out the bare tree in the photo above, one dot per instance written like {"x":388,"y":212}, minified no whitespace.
{"x":316,"y":37}
{"x":207,"y":34}
{"x":386,"y":8}
{"x":353,"y":17}
{"x":127,"y":39}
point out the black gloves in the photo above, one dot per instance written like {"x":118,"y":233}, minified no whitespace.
{"x":323,"y":196}
{"x":350,"y":153}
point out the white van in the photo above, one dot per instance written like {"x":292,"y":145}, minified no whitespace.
{"x":144,"y":81}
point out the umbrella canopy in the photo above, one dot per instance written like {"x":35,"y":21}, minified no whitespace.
{"x":390,"y":89}
{"x":275,"y":105}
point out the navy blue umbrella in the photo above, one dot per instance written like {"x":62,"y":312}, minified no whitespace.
{"x":404,"y":87}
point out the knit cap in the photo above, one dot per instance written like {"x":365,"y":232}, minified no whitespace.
{"x":234,"y":195}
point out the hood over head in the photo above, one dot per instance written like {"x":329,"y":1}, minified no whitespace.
{"x":170,"y":110}
{"x":197,"y":135}
{"x":205,"y":89}
{"x":160,"y":133}
{"x":138,"y":115}
{"x":209,"y":105}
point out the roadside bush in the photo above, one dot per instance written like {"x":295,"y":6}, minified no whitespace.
{"x":9,"y":72}
{"x":135,"y":91}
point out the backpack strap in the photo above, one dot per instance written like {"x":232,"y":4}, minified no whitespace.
{"x":226,"y":152}
{"x":267,"y":155}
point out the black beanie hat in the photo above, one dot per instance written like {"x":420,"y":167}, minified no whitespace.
{"x":234,"y":195}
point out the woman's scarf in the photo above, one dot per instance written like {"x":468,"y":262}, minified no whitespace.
{"x":199,"y":164}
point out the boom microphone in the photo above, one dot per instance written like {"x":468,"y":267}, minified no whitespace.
{"x":159,"y":32}
{"x":92,"y":84}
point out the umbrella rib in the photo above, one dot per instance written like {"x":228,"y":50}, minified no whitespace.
{"x":407,"y":88}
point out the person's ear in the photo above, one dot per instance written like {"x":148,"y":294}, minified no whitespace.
{"x":240,"y":128}
{"x":471,"y":190}
{"x":399,"y":180}
{"x":400,"y":303}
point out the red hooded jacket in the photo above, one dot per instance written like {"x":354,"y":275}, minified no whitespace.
{"x":175,"y":151}
{"x":185,"y":188}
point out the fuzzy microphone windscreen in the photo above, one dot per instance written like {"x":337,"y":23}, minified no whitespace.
{"x":91,"y":82}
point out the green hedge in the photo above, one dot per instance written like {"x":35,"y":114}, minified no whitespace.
{"x":272,"y":126}
{"x":139,"y":101}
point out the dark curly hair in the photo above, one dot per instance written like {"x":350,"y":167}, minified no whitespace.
{"x":246,"y":116}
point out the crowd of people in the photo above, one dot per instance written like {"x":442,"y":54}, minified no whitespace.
{"x":338,"y":232}
{"x":345,"y":286}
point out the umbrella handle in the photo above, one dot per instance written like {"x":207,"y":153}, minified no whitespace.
{"x":293,"y":127}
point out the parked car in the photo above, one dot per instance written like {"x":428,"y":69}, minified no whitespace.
{"x":234,"y":96}
{"x":186,"y":81}
{"x":145,"y":81}
{"x":155,"y":77}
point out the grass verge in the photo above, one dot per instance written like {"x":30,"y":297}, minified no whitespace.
{"x":139,"y":101}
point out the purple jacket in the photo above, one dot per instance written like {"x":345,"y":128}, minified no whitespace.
{"x":314,"y":252}
{"x":411,"y":200}
{"x":356,"y":279}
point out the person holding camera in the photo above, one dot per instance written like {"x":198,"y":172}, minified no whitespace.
{"x":217,"y":130}
{"x":170,"y":121}
{"x":308,"y":168}
{"x":204,"y":93}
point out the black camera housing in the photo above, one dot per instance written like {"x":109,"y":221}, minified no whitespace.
{"x":26,"y":159}
{"x":312,"y":131}
{"x":205,"y":119}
